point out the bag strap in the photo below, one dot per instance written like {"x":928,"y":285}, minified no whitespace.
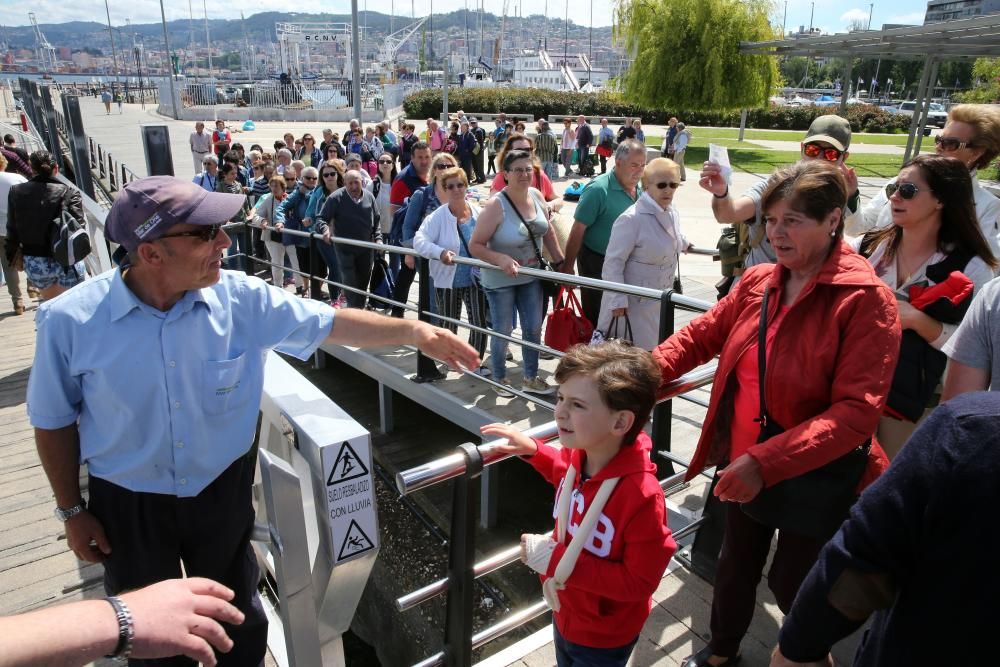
{"x":534,"y":242}
{"x":762,"y":357}
{"x":614,"y":323}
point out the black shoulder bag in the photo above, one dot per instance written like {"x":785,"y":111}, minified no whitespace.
{"x":549,"y":288}
{"x":815,"y":503}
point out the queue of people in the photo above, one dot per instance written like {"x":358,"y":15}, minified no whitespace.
{"x":831,"y":350}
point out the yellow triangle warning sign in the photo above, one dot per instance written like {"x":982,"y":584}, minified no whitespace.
{"x":347,"y":466}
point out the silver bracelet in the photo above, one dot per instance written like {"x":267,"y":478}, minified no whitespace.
{"x":126,"y":629}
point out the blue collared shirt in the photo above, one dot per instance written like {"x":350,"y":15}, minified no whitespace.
{"x":166,"y":401}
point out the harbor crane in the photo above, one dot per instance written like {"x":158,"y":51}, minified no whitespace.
{"x":391,"y":45}
{"x":46,"y":52}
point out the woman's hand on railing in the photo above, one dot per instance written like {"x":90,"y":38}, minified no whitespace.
{"x":447,"y":257}
{"x":509,"y":266}
{"x":326,"y":236}
{"x":410,"y":261}
{"x":518,"y":444}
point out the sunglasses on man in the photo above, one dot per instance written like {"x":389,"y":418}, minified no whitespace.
{"x":828,"y":154}
{"x":205,"y":234}
{"x":905,"y":190}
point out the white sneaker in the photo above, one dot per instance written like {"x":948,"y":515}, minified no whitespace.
{"x":536,"y":385}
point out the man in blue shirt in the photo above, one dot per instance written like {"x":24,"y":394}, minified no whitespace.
{"x":152,"y":375}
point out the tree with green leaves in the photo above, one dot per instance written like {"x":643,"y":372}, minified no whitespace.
{"x":687,"y":53}
{"x":986,"y":72}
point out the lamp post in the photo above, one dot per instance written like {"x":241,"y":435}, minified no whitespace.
{"x":111,"y":36}
{"x":170,"y":65}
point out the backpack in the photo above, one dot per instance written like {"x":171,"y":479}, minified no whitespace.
{"x":734,"y":245}
{"x":573,"y":191}
{"x":450,"y":146}
{"x":70,"y":241}
{"x":399,"y":217}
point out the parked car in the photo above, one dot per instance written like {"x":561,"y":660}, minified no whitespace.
{"x":936,"y":115}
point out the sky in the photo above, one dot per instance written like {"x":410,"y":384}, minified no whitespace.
{"x":830,"y":15}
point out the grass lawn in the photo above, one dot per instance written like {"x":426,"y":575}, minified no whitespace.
{"x":763,"y":161}
{"x":728,"y":137}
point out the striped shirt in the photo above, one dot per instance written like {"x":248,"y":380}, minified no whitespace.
{"x":545,"y":146}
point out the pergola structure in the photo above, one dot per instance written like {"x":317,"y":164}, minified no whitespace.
{"x":949,"y":40}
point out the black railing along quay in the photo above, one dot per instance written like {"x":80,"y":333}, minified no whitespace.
{"x":465,"y":467}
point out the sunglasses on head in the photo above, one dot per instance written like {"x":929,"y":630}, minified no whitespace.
{"x":828,"y":154}
{"x":667,"y":184}
{"x":949,"y":144}
{"x":905,"y":190}
{"x":205,"y":234}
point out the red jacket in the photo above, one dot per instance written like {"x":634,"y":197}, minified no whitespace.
{"x":828,"y":371}
{"x":609,"y":594}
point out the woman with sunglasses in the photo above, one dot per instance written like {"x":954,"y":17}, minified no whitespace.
{"x":421,"y":204}
{"x":445,"y":235}
{"x":972,"y":136}
{"x":331,"y":179}
{"x":291,"y":213}
{"x":509,"y":234}
{"x":830,"y":334}
{"x":539,"y":180}
{"x":334,"y":151}
{"x":643,"y":251}
{"x":933,"y":234}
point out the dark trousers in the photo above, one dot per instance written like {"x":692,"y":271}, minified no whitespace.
{"x":745,"y":546}
{"x":477,"y":165}
{"x":590,"y":264}
{"x":491,"y":167}
{"x":583,"y":160}
{"x":356,"y":267}
{"x":466,"y":164}
{"x":152,"y":533}
{"x":449,"y":304}
{"x":402,"y":290}
{"x":569,"y":654}
{"x":310,"y":267}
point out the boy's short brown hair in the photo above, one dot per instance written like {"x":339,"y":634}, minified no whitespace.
{"x":627,"y":378}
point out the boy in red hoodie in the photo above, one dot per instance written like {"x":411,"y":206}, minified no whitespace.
{"x":611,"y":543}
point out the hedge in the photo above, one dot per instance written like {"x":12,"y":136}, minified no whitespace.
{"x":540,"y":102}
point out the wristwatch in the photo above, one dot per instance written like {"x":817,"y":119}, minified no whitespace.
{"x":65,"y":515}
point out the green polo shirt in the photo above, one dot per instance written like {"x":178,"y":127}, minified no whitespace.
{"x":602,"y":201}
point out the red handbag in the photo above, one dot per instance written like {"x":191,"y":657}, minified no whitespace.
{"x":567,"y":325}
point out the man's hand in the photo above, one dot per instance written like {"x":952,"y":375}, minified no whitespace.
{"x":445,"y":346}
{"x":740,"y":481}
{"x":326,"y":237}
{"x":778,"y":660}
{"x":851,"y":177}
{"x":711,"y":179}
{"x":85,"y":537}
{"x":517,"y":443}
{"x":181,"y":617}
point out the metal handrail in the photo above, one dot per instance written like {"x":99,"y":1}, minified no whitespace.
{"x":453,"y":465}
{"x":563,"y":278}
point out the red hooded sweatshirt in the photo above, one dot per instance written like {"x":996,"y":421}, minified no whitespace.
{"x":609,"y":594}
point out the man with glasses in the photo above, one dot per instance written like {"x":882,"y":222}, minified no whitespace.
{"x":209,"y":176}
{"x":972,"y":136}
{"x":827,"y":138}
{"x":152,"y":375}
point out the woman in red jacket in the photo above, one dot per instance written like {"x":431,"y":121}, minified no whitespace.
{"x":832,"y":336}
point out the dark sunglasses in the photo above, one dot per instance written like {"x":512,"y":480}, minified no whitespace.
{"x":206,"y":234}
{"x":385,"y":161}
{"x":668,"y":184}
{"x":455,"y":186}
{"x":309,"y":178}
{"x":905,"y":190}
{"x":949,"y":144}
{"x":329,"y":173}
{"x":828,"y":154}
{"x":443,"y":165}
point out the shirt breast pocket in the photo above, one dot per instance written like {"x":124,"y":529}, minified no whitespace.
{"x":224,"y":385}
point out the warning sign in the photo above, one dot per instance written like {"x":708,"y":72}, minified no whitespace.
{"x":346,"y":466}
{"x":350,"y":498}
{"x":355,"y":542}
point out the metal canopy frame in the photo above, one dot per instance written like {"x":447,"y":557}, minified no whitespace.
{"x":962,"y":39}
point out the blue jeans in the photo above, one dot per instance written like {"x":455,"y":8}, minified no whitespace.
{"x":329,"y":254}
{"x":569,"y":654}
{"x":527,"y":299}
{"x":237,"y":246}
